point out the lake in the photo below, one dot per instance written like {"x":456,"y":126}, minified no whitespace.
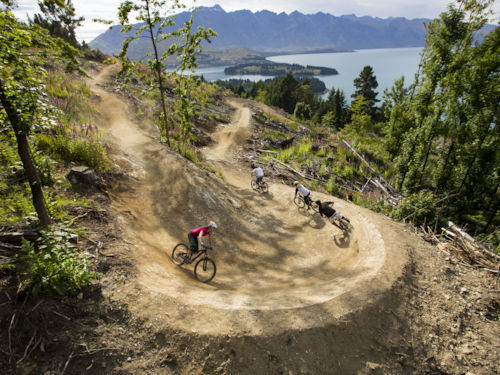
{"x":388,"y":65}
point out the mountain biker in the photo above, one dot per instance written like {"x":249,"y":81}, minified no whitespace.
{"x":259,"y":173}
{"x":306,"y":194}
{"x":195,"y":237}
{"x":326,"y":211}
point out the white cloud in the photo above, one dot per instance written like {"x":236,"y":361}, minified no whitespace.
{"x":107,"y":9}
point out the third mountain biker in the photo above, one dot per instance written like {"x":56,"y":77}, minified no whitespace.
{"x":259,"y":173}
{"x":326,"y":211}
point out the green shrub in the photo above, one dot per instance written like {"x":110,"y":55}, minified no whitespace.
{"x":302,"y":111}
{"x":322,"y":170}
{"x":329,"y":185}
{"x":322,"y":152}
{"x":285,"y":155}
{"x":421,"y":204}
{"x":44,"y":167}
{"x":303,"y":148}
{"x":492,"y":240}
{"x":55,"y":265}
{"x":80,"y":143}
{"x":188,"y":152}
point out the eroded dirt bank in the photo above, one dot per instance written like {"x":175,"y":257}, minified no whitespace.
{"x":291,"y":295}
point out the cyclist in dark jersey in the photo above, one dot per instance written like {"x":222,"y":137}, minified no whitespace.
{"x":326,"y":211}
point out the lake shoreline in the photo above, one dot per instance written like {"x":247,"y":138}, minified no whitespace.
{"x":388,"y":64}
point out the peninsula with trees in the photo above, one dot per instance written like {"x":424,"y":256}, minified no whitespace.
{"x":270,"y":68}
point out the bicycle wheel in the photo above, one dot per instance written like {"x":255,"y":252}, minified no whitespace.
{"x":264,"y":187}
{"x":343,"y":225}
{"x":299,"y":201}
{"x":346,"y":224}
{"x":338,"y":223}
{"x":178,"y":254}
{"x":254,"y":184}
{"x":204,"y":270}
{"x":314,"y":206}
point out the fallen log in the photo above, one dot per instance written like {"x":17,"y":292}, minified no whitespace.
{"x":16,"y":237}
{"x":469,"y":240}
{"x":370,"y":168}
{"x":290,"y":168}
{"x":9,"y":246}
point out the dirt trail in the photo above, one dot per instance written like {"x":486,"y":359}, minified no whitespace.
{"x":270,"y":256}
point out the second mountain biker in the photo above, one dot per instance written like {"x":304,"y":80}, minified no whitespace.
{"x":306,"y":194}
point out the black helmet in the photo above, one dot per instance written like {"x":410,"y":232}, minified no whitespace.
{"x":254,"y":166}
{"x":318,"y":201}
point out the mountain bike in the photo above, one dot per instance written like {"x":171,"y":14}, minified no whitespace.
{"x":301,"y":202}
{"x":260,"y":186}
{"x":204,"y":268}
{"x":342,"y":224}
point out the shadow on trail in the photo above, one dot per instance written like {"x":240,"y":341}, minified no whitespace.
{"x":267,"y":196}
{"x":316,"y":222}
{"x":342,"y":240}
{"x":250,"y":246}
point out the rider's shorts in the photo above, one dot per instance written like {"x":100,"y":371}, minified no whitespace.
{"x":193,"y":242}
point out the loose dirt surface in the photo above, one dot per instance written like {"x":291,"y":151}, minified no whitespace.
{"x":279,"y":268}
{"x":292,"y":293}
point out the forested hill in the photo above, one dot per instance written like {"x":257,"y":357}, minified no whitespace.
{"x":265,"y":30}
{"x":279,"y":69}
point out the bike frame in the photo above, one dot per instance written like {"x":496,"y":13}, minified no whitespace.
{"x":200,"y":253}
{"x":308,"y":203}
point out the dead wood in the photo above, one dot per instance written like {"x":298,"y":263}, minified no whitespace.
{"x":16,"y":237}
{"x":290,"y":168}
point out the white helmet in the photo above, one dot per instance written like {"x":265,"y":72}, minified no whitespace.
{"x":295,"y":183}
{"x":212,"y":224}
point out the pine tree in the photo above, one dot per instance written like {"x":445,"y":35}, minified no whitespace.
{"x":395,"y":100}
{"x":449,"y":122}
{"x":282,"y":93}
{"x":59,"y":20}
{"x":365,"y":85}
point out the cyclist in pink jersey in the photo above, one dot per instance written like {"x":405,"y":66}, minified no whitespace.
{"x":195,"y":237}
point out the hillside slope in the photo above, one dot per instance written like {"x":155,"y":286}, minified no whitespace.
{"x":292,"y":294}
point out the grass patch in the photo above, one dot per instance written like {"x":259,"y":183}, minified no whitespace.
{"x":54,"y":265}
{"x":80,"y":143}
{"x":71,"y":95}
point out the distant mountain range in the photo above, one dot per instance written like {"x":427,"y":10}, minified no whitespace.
{"x":268,"y":32}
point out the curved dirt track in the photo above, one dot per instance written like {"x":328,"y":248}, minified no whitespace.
{"x":278,"y":268}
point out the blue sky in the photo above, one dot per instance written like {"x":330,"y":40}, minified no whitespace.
{"x":106,"y":9}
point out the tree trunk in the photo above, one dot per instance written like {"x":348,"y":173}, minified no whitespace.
{"x":445,"y":167}
{"x":426,"y":157}
{"x":495,"y":202}
{"x":24,"y":151}
{"x":158,"y":73}
{"x":410,"y":157}
{"x":471,"y":164}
